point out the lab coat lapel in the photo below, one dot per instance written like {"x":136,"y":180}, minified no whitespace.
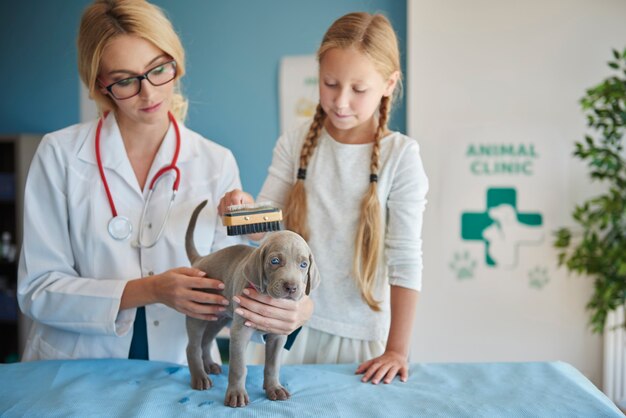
{"x":112,"y":152}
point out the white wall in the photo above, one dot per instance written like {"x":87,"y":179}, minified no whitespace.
{"x":510,"y":72}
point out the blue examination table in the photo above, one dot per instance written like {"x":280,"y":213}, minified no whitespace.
{"x":135,"y":388}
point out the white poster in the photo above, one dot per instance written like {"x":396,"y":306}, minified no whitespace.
{"x":501,"y":200}
{"x":298,"y":90}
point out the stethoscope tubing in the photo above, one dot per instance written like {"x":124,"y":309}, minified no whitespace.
{"x":158,"y":176}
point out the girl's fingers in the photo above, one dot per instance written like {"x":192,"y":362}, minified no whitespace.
{"x":382,"y":368}
{"x":380,"y":373}
{"x":371,"y":370}
{"x":256,"y":311}
{"x":363,"y":366}
{"x":254,"y":295}
{"x":404,"y":374}
{"x":263,"y":322}
{"x":391,"y":373}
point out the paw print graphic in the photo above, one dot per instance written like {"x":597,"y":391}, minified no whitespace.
{"x":538,"y":277}
{"x":462,"y":265}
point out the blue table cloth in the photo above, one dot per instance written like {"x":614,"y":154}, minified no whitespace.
{"x":135,"y":388}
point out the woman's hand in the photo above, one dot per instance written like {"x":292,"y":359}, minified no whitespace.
{"x":384,"y":368}
{"x":182,"y":289}
{"x":234,"y":197}
{"x":274,"y":316}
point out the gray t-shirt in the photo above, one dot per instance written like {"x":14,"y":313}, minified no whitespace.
{"x":336,"y":182}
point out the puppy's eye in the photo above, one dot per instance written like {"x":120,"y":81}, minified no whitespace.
{"x":304,"y":265}
{"x":275,"y":261}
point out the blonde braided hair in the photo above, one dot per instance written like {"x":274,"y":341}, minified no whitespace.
{"x":368,"y":240}
{"x":296,"y":206}
{"x":372,"y":35}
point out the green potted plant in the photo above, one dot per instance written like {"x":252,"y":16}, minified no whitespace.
{"x":598,"y":249}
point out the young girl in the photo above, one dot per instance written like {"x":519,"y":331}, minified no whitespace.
{"x":356,"y":192}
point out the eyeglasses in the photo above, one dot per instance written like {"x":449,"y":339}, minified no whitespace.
{"x":131,"y":86}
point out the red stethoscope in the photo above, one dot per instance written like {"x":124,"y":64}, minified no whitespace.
{"x":120,"y":227}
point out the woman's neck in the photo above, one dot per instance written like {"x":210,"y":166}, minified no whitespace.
{"x":142,"y":142}
{"x":141,"y":137}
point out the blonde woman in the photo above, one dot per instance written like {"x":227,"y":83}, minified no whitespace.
{"x":356,"y":191}
{"x":100,"y":276}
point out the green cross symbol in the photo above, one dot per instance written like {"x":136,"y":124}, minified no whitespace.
{"x":473,"y":224}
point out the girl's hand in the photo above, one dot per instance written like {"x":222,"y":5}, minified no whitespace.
{"x":274,"y":316}
{"x":182,"y":289}
{"x":384,"y":368}
{"x":234,"y":197}
{"x":237,"y":197}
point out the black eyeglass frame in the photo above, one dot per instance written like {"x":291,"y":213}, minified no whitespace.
{"x":142,"y":77}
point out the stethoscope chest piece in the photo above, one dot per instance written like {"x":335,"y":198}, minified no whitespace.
{"x":120,"y":228}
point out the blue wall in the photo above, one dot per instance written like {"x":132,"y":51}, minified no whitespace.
{"x":233,"y":52}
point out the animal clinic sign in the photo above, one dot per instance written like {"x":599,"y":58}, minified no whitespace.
{"x":501,"y":159}
{"x":493,"y":198}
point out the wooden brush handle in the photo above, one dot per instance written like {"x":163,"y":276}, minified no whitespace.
{"x":235,"y":219}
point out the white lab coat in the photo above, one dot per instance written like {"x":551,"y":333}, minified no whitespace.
{"x":72,"y":272}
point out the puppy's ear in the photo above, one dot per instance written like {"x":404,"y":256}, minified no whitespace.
{"x":254,"y":270}
{"x":313,"y":275}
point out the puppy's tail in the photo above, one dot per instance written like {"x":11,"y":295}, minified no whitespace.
{"x":192,"y":253}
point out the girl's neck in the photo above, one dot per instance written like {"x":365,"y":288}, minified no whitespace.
{"x":364,"y":133}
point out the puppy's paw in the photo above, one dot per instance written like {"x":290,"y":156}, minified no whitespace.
{"x":236,"y":397}
{"x":277,"y":393}
{"x":201,"y":382}
{"x":213,"y":368}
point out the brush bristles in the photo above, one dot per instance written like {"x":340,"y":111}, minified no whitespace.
{"x":249,"y":206}
{"x":254,"y":228}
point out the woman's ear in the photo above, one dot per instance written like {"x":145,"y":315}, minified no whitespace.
{"x":392,"y":81}
{"x":100,"y":87}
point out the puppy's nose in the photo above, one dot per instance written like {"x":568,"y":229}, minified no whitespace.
{"x":290,"y":288}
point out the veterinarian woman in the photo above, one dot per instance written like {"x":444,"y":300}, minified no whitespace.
{"x":103,"y":271}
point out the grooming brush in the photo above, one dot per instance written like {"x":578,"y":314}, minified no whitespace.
{"x":252,"y":218}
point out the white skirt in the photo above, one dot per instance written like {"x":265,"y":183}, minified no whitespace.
{"x":317,"y":347}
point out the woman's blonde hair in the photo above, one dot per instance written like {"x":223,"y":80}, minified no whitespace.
{"x":103,"y":20}
{"x":372,"y":35}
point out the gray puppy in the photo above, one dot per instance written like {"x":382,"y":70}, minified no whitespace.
{"x":281,"y":267}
